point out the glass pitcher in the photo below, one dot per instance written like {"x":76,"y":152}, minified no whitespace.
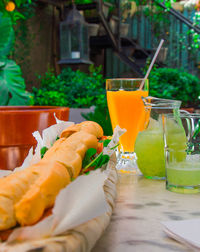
{"x":182,"y":152}
{"x":149,"y":145}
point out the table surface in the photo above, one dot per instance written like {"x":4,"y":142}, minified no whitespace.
{"x":141,"y":205}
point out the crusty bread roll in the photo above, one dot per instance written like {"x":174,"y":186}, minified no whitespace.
{"x":53,"y":176}
{"x":71,"y":151}
{"x":87,"y":126}
{"x":24,"y":195}
{"x":12,"y":189}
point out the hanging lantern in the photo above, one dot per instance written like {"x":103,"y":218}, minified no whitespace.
{"x":74,"y":39}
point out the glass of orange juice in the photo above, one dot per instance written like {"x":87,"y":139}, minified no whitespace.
{"x":126,"y":109}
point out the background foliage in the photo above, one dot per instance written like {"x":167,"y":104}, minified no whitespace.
{"x":172,"y":83}
{"x":101,"y":116}
{"x":76,"y":89}
{"x":70,"y":88}
{"x":12,"y":88}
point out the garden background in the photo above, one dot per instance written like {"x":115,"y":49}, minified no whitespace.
{"x":30,"y":51}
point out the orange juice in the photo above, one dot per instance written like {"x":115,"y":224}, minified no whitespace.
{"x":126,"y":109}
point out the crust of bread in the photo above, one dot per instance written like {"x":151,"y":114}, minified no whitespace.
{"x":87,"y":126}
{"x":12,"y":188}
{"x":42,"y":193}
{"x":7,"y":215}
{"x":71,"y":151}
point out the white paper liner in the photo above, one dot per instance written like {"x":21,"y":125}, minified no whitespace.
{"x":82,"y":200}
{"x":114,"y":141}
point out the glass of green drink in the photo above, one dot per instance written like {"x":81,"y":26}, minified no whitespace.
{"x":182,"y":152}
{"x":149,"y":145}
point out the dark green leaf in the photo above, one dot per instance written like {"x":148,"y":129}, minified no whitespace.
{"x":12,"y":85}
{"x":101,"y":161}
{"x":43,"y":151}
{"x":17,"y":15}
{"x":105,"y":159}
{"x":97,"y":162}
{"x":88,"y":155}
{"x":91,"y":152}
{"x":7,"y":34}
{"x":106,"y":142}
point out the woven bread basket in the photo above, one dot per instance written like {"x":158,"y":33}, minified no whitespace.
{"x":79,"y":239}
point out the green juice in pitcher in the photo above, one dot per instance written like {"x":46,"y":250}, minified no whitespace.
{"x":149,"y":148}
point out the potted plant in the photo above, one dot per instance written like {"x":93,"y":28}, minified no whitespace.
{"x":18,"y":119}
{"x":75,"y":89}
{"x":176,"y":84}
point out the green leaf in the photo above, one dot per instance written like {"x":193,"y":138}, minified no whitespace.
{"x":106,"y":142}
{"x":91,"y":152}
{"x":88,"y":155}
{"x":97,"y":162}
{"x":20,"y":2}
{"x":7,"y":34}
{"x":43,"y":151}
{"x":103,"y":159}
{"x":12,"y":86}
{"x":17,"y":15}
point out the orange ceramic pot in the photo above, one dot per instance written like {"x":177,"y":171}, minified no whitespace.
{"x":17,"y":123}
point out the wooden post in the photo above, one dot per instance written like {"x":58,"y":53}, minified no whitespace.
{"x":54,"y":42}
{"x":118,"y":26}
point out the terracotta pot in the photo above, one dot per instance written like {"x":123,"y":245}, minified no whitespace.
{"x":190,"y":110}
{"x":16,"y":127}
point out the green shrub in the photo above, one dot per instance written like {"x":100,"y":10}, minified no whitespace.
{"x":49,"y":98}
{"x":175,"y":84}
{"x":101,"y":116}
{"x":75,"y":88}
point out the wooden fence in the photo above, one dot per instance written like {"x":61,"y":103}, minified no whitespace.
{"x":179,"y":53}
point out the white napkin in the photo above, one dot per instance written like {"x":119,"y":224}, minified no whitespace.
{"x":184,"y":231}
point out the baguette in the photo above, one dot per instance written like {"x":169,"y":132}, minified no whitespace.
{"x":87,"y":126}
{"x":12,"y":189}
{"x":41,"y":194}
{"x":24,"y":195}
{"x":71,"y":151}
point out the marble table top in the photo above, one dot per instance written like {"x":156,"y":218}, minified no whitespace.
{"x":141,"y":205}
